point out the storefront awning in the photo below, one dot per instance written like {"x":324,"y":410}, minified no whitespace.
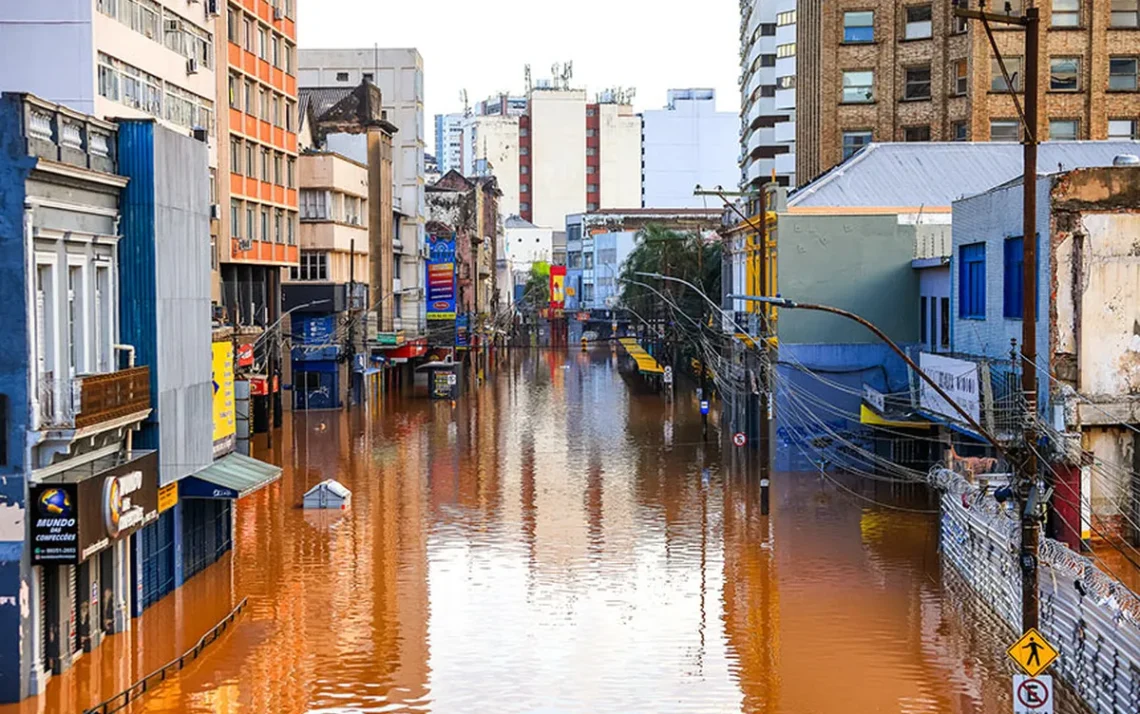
{"x":232,"y":476}
{"x":869,"y":417}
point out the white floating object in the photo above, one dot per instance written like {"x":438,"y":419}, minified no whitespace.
{"x":328,"y":494}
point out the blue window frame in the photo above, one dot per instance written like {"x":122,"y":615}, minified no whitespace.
{"x":1013,"y":285}
{"x":972,"y":281}
{"x":859,"y":26}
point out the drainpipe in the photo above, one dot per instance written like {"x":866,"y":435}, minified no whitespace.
{"x":30,"y":297}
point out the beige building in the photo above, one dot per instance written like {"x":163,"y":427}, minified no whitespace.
{"x":575,"y":155}
{"x":334,"y":219}
{"x":885,"y":71}
{"x":491,"y":148}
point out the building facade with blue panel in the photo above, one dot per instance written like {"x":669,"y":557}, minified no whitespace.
{"x":66,"y":456}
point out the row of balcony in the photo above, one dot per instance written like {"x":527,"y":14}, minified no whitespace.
{"x":87,"y":401}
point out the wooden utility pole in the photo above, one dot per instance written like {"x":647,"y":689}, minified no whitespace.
{"x":1026,"y":468}
{"x":765,"y":362}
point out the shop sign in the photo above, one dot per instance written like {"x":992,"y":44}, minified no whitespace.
{"x":73,"y":521}
{"x":167,"y":497}
{"x":957,"y":378}
{"x":557,"y":287}
{"x":258,"y":386}
{"x":55,"y":526}
{"x":390,"y":339}
{"x":245,"y":355}
{"x":441,"y":278}
{"x":225,"y":423}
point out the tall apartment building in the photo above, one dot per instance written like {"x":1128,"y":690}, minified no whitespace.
{"x":119,"y":59}
{"x":491,"y":148}
{"x":577,"y":156}
{"x":885,"y":71}
{"x":259,"y":161}
{"x":399,"y":73}
{"x":686,"y":144}
{"x":763,"y":150}
{"x":449,"y":141}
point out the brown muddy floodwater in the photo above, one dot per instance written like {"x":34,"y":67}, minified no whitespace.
{"x":554,"y":544}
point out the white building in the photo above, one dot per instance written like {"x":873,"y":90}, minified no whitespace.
{"x":688,"y":143}
{"x":619,"y":134}
{"x":491,"y":148}
{"x":761,"y":151}
{"x":526,"y":243}
{"x":399,"y":73}
{"x":449,"y":141}
{"x":107,"y":58}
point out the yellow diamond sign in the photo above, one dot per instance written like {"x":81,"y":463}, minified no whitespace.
{"x":1032,"y":652}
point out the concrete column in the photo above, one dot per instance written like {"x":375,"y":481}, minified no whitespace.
{"x":121,"y":584}
{"x":34,"y":653}
{"x":179,"y":572}
{"x":380,"y":225}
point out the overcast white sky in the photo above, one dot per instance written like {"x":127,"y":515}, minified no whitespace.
{"x":483,"y":45}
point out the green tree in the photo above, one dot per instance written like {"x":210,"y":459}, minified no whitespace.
{"x":536,"y":294}
{"x":683,"y":255}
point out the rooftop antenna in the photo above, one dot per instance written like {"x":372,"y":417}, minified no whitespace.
{"x":466,"y":105}
{"x":529,"y":84}
{"x":567,"y":74}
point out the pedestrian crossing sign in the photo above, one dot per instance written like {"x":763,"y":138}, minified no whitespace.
{"x":1032,"y":652}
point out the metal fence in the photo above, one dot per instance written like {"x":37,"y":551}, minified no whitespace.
{"x":1091,"y":618}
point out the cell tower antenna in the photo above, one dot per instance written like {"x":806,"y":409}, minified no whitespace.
{"x":466,"y":105}
{"x":529,"y":84}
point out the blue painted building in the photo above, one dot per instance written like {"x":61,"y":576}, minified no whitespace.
{"x":70,"y":397}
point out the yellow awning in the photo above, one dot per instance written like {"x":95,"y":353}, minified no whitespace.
{"x":869,"y":417}
{"x":645,"y":362}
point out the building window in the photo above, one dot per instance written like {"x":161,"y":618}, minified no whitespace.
{"x":1067,"y":13}
{"x":266,"y":107}
{"x":232,"y":28}
{"x":524,"y":132}
{"x":590,"y":151}
{"x":788,"y":82}
{"x":290,"y":111}
{"x":590,"y":112}
{"x":853,"y":141}
{"x":263,"y":44}
{"x":278,"y":218}
{"x":766,"y":61}
{"x":767,"y":90}
{"x":524,"y":188}
{"x":997,"y":81}
{"x":1064,"y":73}
{"x":1005,"y":130}
{"x":591,"y":188}
{"x":960,"y":73}
{"x":524,"y":207}
{"x":918,"y":22}
{"x":859,"y":26}
{"x":945,"y":341}
{"x":278,"y":169}
{"x":275,"y":49}
{"x":235,"y":92}
{"x":250,"y":231}
{"x":250,"y":108}
{"x":591,"y":169}
{"x":314,"y":204}
{"x":247,"y":33}
{"x":1064,"y":129}
{"x":1013,"y":287}
{"x":767,"y":29}
{"x":916,"y":133}
{"x":290,"y":172}
{"x":524,"y":151}
{"x":958,"y":25}
{"x":788,"y":50}
{"x":591,"y":207}
{"x":591,"y":133}
{"x":289,"y":58}
{"x":972,"y":281}
{"x":313,"y":266}
{"x":265,"y":225}
{"x":787,"y":17}
{"x":235,"y":217}
{"x":265,"y":165}
{"x":922,"y":319}
{"x":1123,"y":129}
{"x":916,"y":83}
{"x":958,"y":131}
{"x":342,"y":76}
{"x":250,"y":163}
{"x":278,"y":120}
{"x":291,"y":228}
{"x":1125,"y":13}
{"x":1122,"y":73}
{"x":858,"y":86}
{"x":235,"y":155}
{"x":524,"y":170}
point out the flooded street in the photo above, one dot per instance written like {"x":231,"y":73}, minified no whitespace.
{"x":557,"y":542}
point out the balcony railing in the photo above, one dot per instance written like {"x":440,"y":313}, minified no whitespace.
{"x":79,"y":402}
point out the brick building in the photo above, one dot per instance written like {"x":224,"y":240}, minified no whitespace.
{"x":886,"y":71}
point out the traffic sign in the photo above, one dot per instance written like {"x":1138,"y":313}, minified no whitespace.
{"x":668,"y":375}
{"x":739,"y":438}
{"x":1032,"y":652}
{"x":1032,"y":695}
{"x":704,"y":406}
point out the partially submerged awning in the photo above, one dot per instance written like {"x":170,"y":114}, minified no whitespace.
{"x":232,"y":476}
{"x":645,"y":362}
{"x":868,"y":416}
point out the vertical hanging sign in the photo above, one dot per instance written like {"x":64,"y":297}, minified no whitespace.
{"x":441,"y":278}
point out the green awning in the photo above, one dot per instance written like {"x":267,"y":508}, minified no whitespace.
{"x":232,"y":476}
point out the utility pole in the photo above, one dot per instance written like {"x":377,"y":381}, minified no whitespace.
{"x":765,"y":362}
{"x":351,"y":320}
{"x":1026,"y":466}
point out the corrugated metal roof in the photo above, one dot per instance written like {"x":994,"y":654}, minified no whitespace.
{"x":937,"y":173}
{"x":321,"y":99}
